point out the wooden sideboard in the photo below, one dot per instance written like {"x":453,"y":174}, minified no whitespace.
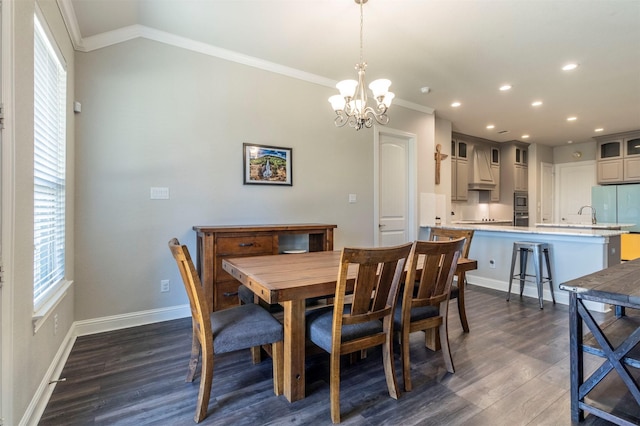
{"x":215,"y":243}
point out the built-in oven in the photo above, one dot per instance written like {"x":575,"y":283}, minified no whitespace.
{"x":520,"y":219}
{"x":520,"y":201}
{"x":520,"y":209}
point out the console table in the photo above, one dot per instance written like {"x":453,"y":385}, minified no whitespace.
{"x":215,"y":243}
{"x":616,"y":396}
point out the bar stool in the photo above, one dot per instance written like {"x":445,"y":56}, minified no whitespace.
{"x":537,"y":249}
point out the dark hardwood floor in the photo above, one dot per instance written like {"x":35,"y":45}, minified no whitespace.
{"x":511,"y":369}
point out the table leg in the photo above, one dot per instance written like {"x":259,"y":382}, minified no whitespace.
{"x":294,"y":349}
{"x":575,"y":356}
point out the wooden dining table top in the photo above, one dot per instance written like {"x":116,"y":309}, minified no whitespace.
{"x":278,"y":278}
{"x":289,"y":279}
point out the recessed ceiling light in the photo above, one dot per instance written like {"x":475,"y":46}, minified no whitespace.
{"x":536,"y":103}
{"x":525,"y":136}
{"x":599,"y":129}
{"x":569,"y":142}
{"x":491,"y":126}
{"x":569,"y":67}
{"x":572,"y":118}
{"x":456,"y":104}
{"x":505,"y":87}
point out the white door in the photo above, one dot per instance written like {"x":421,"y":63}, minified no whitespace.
{"x":394,"y":193}
{"x":546,"y":193}
{"x":573,"y":187}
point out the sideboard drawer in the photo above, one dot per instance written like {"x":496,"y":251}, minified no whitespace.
{"x":215,"y":243}
{"x":225,"y":294}
{"x":245,"y":245}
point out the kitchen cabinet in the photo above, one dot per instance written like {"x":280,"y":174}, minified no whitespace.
{"x":495,"y":171}
{"x":459,"y":170}
{"x":618,"y":158}
{"x":215,"y":243}
{"x":475,"y":166}
{"x":514,"y":169}
{"x":521,"y":169}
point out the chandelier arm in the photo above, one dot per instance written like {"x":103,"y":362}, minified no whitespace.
{"x":355,"y":111}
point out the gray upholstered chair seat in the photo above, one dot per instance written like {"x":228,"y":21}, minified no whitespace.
{"x":242,"y":327}
{"x":320,"y":327}
{"x":417,"y":314}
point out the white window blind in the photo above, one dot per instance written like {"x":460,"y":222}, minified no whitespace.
{"x":50,"y":81}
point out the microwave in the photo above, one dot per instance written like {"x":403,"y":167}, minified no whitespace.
{"x":520,"y":201}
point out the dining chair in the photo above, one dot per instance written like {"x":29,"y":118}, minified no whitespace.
{"x":426,"y":307}
{"x":228,"y":330}
{"x":365,"y":322}
{"x":457,"y":288}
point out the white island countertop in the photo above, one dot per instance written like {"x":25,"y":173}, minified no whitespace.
{"x":569,"y":231}
{"x":574,"y":252}
{"x":586,"y":225}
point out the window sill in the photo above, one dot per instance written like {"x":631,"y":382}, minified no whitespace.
{"x":44,"y":311}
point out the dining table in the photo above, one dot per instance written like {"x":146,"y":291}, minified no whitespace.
{"x":288,"y":280}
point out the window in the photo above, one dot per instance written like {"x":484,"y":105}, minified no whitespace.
{"x":50,"y":88}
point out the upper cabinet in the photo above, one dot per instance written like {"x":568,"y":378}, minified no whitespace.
{"x":495,"y":170}
{"x":475,"y":166}
{"x":459,"y":170}
{"x":618,"y":158}
{"x":515,"y":167}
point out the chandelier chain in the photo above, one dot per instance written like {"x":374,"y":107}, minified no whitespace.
{"x":361,"y":31}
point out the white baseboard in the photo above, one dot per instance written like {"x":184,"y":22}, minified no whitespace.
{"x":118,"y":322}
{"x":86,"y":327}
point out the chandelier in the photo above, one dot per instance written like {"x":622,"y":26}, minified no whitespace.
{"x":351,"y":104}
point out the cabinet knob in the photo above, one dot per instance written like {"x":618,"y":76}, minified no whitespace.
{"x":245,"y":244}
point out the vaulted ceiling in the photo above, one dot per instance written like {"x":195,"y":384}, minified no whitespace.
{"x":462,"y":50}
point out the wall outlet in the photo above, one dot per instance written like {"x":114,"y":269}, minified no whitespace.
{"x":492,"y":264}
{"x":55,"y":324}
{"x":164,"y":286}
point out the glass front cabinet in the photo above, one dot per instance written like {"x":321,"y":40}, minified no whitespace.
{"x":618,"y":158}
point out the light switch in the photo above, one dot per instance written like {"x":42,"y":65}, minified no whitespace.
{"x":352,"y":198}
{"x":159,"y":193}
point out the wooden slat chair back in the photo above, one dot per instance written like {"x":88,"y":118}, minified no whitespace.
{"x":232,"y":329}
{"x":426,"y":306}
{"x":365,"y":322}
{"x":457,"y":289}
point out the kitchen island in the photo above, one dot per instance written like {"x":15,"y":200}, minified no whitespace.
{"x":575,"y":252}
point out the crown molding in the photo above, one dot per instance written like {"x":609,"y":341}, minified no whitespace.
{"x":121,"y":35}
{"x":70,"y":21}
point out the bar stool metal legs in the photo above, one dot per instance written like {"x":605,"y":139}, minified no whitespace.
{"x":538,"y":250}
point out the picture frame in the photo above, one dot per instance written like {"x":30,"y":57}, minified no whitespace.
{"x":267,"y":165}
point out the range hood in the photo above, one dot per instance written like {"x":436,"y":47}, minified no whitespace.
{"x":480,"y":173}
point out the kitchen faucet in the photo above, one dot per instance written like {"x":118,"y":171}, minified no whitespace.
{"x":593,"y":214}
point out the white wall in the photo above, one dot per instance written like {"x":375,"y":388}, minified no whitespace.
{"x":29,"y":355}
{"x":157,"y":115}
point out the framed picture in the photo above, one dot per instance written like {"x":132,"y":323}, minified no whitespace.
{"x":267,"y":165}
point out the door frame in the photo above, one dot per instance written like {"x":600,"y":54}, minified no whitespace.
{"x":549,"y":167}
{"x":411,"y":176}
{"x":7,"y":238}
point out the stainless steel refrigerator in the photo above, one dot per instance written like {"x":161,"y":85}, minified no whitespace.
{"x":620,"y":204}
